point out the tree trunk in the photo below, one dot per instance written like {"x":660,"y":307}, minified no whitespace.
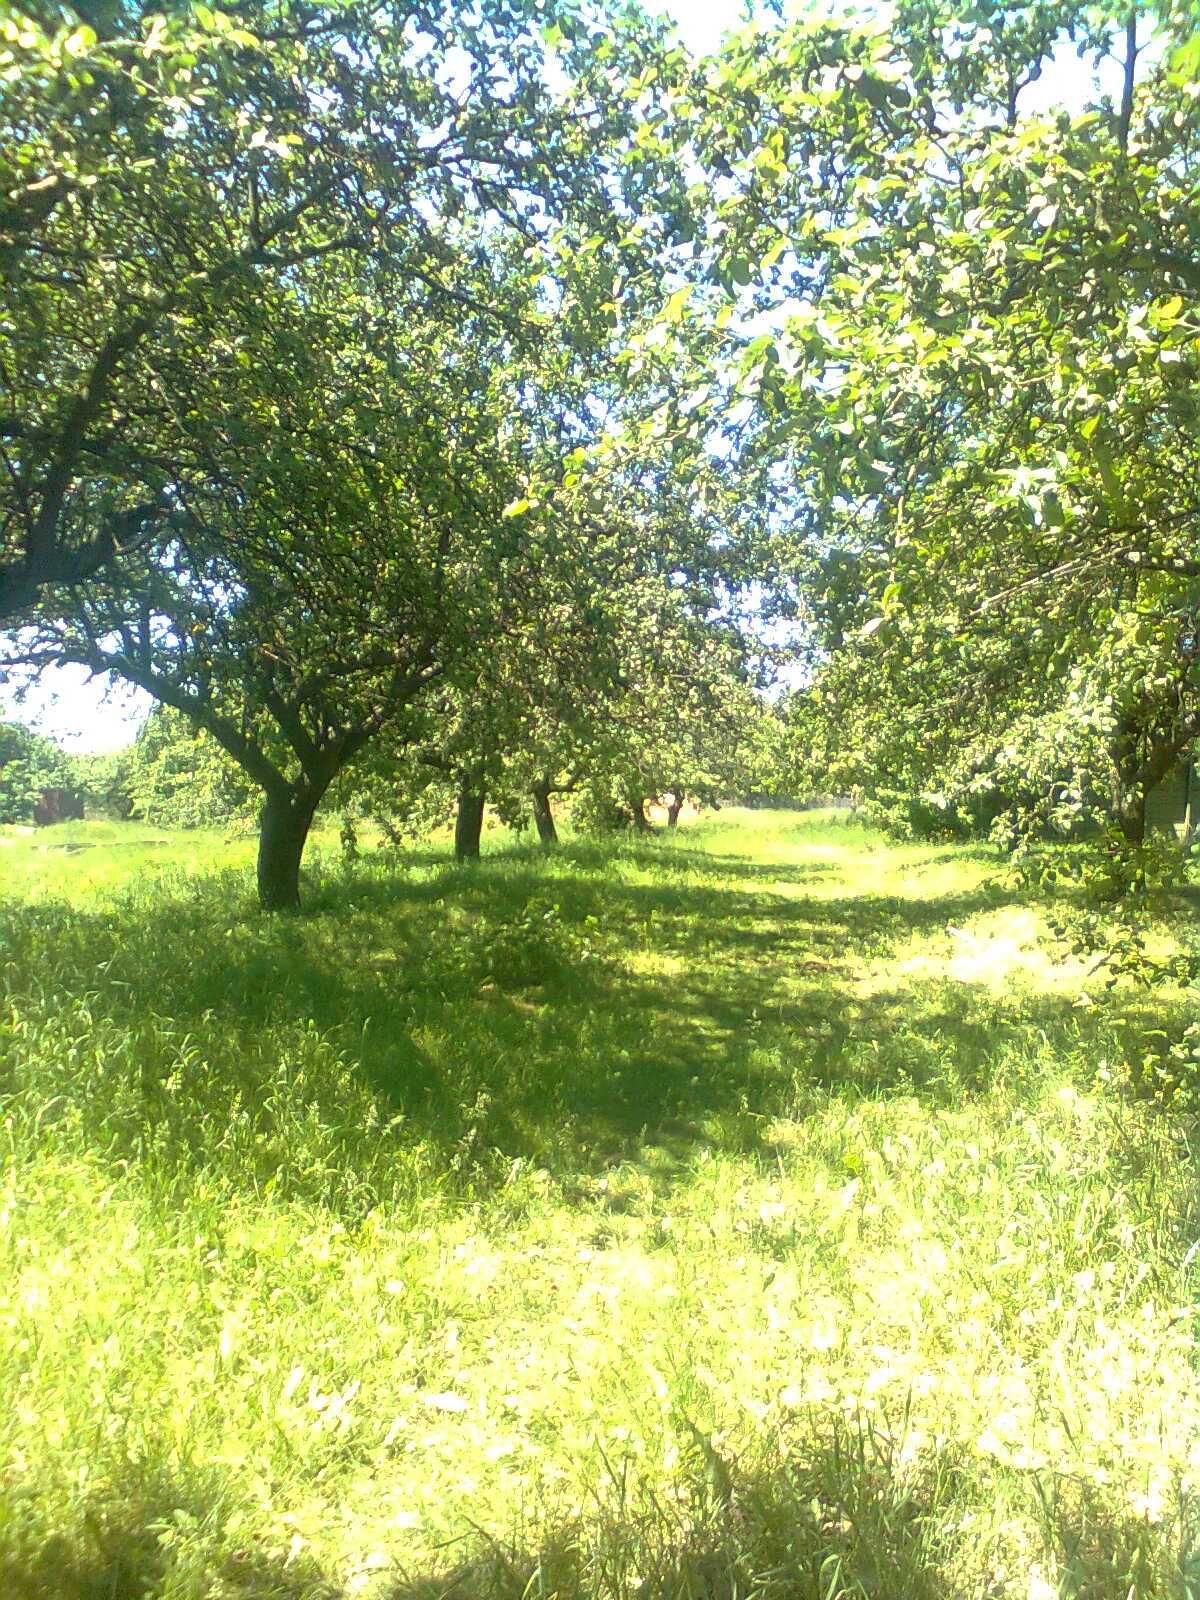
{"x":1131,"y":815}
{"x":468,"y":824}
{"x":283,"y":832}
{"x":543,"y":816}
{"x":1129,"y":761}
{"x":676,"y":806}
{"x":1130,"y":81}
{"x":637,"y":810}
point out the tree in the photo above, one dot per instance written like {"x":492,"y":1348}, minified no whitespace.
{"x":331,"y":434}
{"x":29,"y":763}
{"x":162,"y":169}
{"x":176,"y":774}
{"x":687,"y":725}
{"x":608,"y":661}
{"x":318,"y":583}
{"x":104,"y":782}
{"x":982,"y":387}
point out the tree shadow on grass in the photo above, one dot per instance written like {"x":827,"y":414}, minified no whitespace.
{"x":548,"y":1008}
{"x":847,"y":1511}
{"x":837,"y":1521}
{"x":838,"y":1517}
{"x":146,"y":1536}
{"x":843,"y":1507}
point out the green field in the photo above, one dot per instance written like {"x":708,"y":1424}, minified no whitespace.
{"x":754,"y":1211}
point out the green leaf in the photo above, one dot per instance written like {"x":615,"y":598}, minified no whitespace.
{"x":80,"y":41}
{"x":676,"y":307}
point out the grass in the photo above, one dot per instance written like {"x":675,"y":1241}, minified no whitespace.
{"x":750,"y":1212}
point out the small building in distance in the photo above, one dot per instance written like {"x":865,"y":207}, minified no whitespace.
{"x":57,"y":805}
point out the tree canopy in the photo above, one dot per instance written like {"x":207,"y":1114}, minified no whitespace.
{"x":338,"y":282}
{"x":29,"y":763}
{"x":979,"y":383}
{"x":427,"y":379}
{"x":164,"y":169}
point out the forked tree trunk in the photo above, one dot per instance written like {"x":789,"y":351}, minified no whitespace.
{"x":676,"y":806}
{"x":543,"y":816}
{"x":468,"y":824}
{"x":283,"y":833}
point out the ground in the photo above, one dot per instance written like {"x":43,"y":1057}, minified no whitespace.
{"x":760,"y":1210}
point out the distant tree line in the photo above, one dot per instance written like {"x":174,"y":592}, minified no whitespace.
{"x":175,"y":775}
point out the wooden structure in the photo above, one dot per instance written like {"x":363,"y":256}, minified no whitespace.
{"x":1175,"y":803}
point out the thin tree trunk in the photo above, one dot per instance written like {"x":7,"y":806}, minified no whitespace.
{"x":283,"y":833}
{"x":543,"y":816}
{"x":1129,"y":82}
{"x":468,"y":824}
{"x":676,"y":806}
{"x":1131,"y":815}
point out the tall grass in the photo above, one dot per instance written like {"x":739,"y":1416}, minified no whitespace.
{"x":749,"y":1212}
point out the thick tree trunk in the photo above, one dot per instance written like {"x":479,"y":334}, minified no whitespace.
{"x":283,"y":832}
{"x":468,"y":824}
{"x":543,"y":816}
{"x":676,"y":806}
{"x":637,"y":810}
{"x":1141,"y":774}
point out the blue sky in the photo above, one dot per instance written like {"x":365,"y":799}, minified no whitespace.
{"x":85,"y":714}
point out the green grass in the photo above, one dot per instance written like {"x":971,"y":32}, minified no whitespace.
{"x":750,"y":1212}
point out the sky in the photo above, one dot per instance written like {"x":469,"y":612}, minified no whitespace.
{"x":702,"y":22}
{"x":85,"y":714}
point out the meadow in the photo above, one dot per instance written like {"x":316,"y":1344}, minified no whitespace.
{"x":761,"y":1210}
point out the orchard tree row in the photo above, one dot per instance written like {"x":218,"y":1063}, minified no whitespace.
{"x":414,"y":394}
{"x":320,"y":423}
{"x":981,"y":386}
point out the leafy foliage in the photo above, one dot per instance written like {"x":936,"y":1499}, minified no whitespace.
{"x":339,"y":412}
{"x":177,"y":776}
{"x":980,"y":388}
{"x":166,"y":171}
{"x":29,"y":763}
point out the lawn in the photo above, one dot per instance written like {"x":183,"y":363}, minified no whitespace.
{"x":752,"y":1211}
